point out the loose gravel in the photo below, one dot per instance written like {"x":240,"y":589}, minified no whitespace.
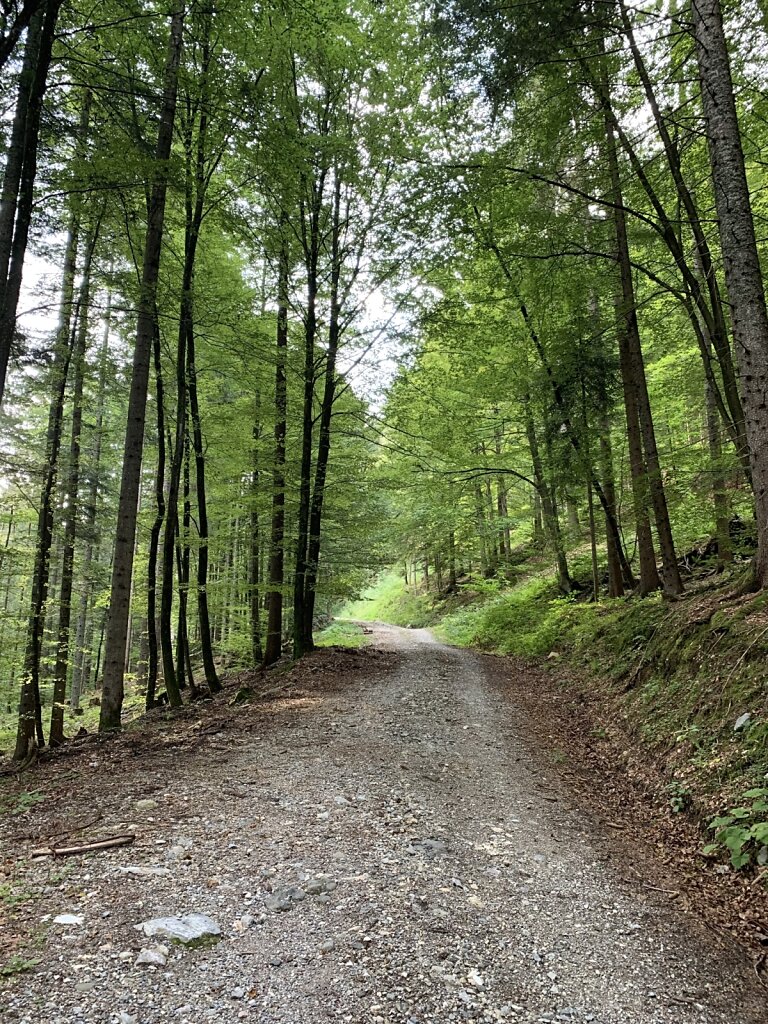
{"x":391,"y":851}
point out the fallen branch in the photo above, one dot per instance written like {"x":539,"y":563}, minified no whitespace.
{"x":99,"y":844}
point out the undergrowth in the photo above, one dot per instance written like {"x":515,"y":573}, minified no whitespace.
{"x":341,"y":634}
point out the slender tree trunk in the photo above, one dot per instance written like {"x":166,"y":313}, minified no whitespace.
{"x":84,"y":631}
{"x":593,"y":545}
{"x":539,"y":539}
{"x":254,"y":561}
{"x":61,"y":670}
{"x":741,"y":261}
{"x":277,"y":535}
{"x":300,"y":629}
{"x":711,"y":316}
{"x":30,"y":719}
{"x":451,"y":562}
{"x":326,"y":414}
{"x":203,"y":613}
{"x":157,"y":524}
{"x":183,"y":654}
{"x":549,"y":511}
{"x":615,"y":575}
{"x":122,"y":571}
{"x":631,"y":366}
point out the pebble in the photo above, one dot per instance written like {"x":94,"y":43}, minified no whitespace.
{"x":155,"y":955}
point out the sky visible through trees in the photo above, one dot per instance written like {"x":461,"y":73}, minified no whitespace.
{"x":293,"y":293}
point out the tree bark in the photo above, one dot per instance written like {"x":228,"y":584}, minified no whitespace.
{"x":326,"y":414}
{"x":307,"y":422}
{"x":274,"y":638}
{"x":741,"y":261}
{"x":711,"y":316}
{"x":122,"y":571}
{"x":21,"y":171}
{"x":549,"y":512}
{"x":84,"y":632}
{"x":254,"y":560}
{"x":61,"y":670}
{"x":157,"y":524}
{"x":30,"y":719}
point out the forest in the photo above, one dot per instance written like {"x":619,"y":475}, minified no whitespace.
{"x":298,"y":297}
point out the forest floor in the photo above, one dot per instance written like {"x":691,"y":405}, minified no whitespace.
{"x":406,"y":832}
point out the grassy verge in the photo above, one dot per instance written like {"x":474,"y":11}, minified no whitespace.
{"x":341,"y":634}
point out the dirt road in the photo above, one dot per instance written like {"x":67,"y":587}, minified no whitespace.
{"x":391,"y":851}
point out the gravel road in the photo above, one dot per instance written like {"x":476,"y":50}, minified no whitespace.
{"x":393,"y":851}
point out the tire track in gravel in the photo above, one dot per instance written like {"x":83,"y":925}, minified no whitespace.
{"x":430,"y":871}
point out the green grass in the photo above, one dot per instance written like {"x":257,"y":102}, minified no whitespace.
{"x":389,"y":600}
{"x":133,"y":706}
{"x":341,"y":634}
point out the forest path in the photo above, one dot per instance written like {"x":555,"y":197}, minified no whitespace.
{"x":392,"y":851}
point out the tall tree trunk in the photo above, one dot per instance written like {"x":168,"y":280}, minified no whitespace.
{"x":61,"y":670}
{"x":157,"y":524}
{"x":741,"y":261}
{"x":629,"y":341}
{"x":20,"y":174}
{"x":307,"y":421}
{"x":277,"y":534}
{"x":549,"y":512}
{"x":84,"y":631}
{"x":30,"y":719}
{"x":451,"y":562}
{"x":615,"y":575}
{"x":711,"y":316}
{"x":254,"y":560}
{"x":204,"y":533}
{"x":326,"y":414}
{"x":122,"y":570}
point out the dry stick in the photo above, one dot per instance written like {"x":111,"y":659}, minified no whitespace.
{"x":65,"y":851}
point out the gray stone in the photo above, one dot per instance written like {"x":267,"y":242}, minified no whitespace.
{"x":284,"y":899}
{"x":188,"y":930}
{"x":319,"y":885}
{"x":742,"y":722}
{"x":153,"y":956}
{"x":69,"y":919}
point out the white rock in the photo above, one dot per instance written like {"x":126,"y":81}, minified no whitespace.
{"x":155,"y":956}
{"x":742,"y":722}
{"x":188,"y":928}
{"x":69,"y":919}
